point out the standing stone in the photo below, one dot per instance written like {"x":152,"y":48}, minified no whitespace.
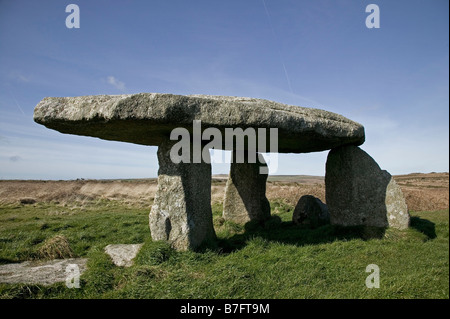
{"x":310,"y":211}
{"x":245,"y":192}
{"x":181,"y":213}
{"x":358,"y":192}
{"x":398,"y":213}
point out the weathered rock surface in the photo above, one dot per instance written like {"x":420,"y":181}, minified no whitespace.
{"x":44,"y":273}
{"x":181,"y":213}
{"x":358,"y":192}
{"x":245,"y":193}
{"x":122,"y":255}
{"x":397,"y":210}
{"x":310,"y":211}
{"x":148,"y":119}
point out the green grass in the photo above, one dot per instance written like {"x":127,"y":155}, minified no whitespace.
{"x":23,"y":228}
{"x":274,"y":260}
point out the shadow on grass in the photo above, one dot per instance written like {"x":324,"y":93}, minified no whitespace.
{"x":286,"y":232}
{"x":424,"y":226}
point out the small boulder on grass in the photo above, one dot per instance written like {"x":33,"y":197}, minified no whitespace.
{"x":310,"y":211}
{"x":56,"y":247}
{"x":27,"y":201}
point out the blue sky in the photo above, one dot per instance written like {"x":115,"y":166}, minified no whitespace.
{"x":393,"y":80}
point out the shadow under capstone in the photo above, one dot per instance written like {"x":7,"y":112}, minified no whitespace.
{"x":286,"y":232}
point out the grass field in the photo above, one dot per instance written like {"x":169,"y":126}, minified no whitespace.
{"x":274,"y":260}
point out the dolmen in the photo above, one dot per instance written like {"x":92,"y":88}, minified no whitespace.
{"x":185,"y":128}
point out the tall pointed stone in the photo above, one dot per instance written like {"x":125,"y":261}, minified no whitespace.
{"x":358,"y":192}
{"x":181,"y":213}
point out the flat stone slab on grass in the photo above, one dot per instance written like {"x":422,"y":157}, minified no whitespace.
{"x":148,"y":119}
{"x":44,"y":273}
{"x":122,"y":255}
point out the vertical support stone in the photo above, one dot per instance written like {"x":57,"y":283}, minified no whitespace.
{"x":358,"y":192}
{"x":181,"y":213}
{"x":245,"y":192}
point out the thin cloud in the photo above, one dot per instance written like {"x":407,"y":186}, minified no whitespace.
{"x":15,"y":101}
{"x":19,"y":77}
{"x":278,"y":47}
{"x":15,"y":158}
{"x":23,"y":78}
{"x":116,"y":83}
